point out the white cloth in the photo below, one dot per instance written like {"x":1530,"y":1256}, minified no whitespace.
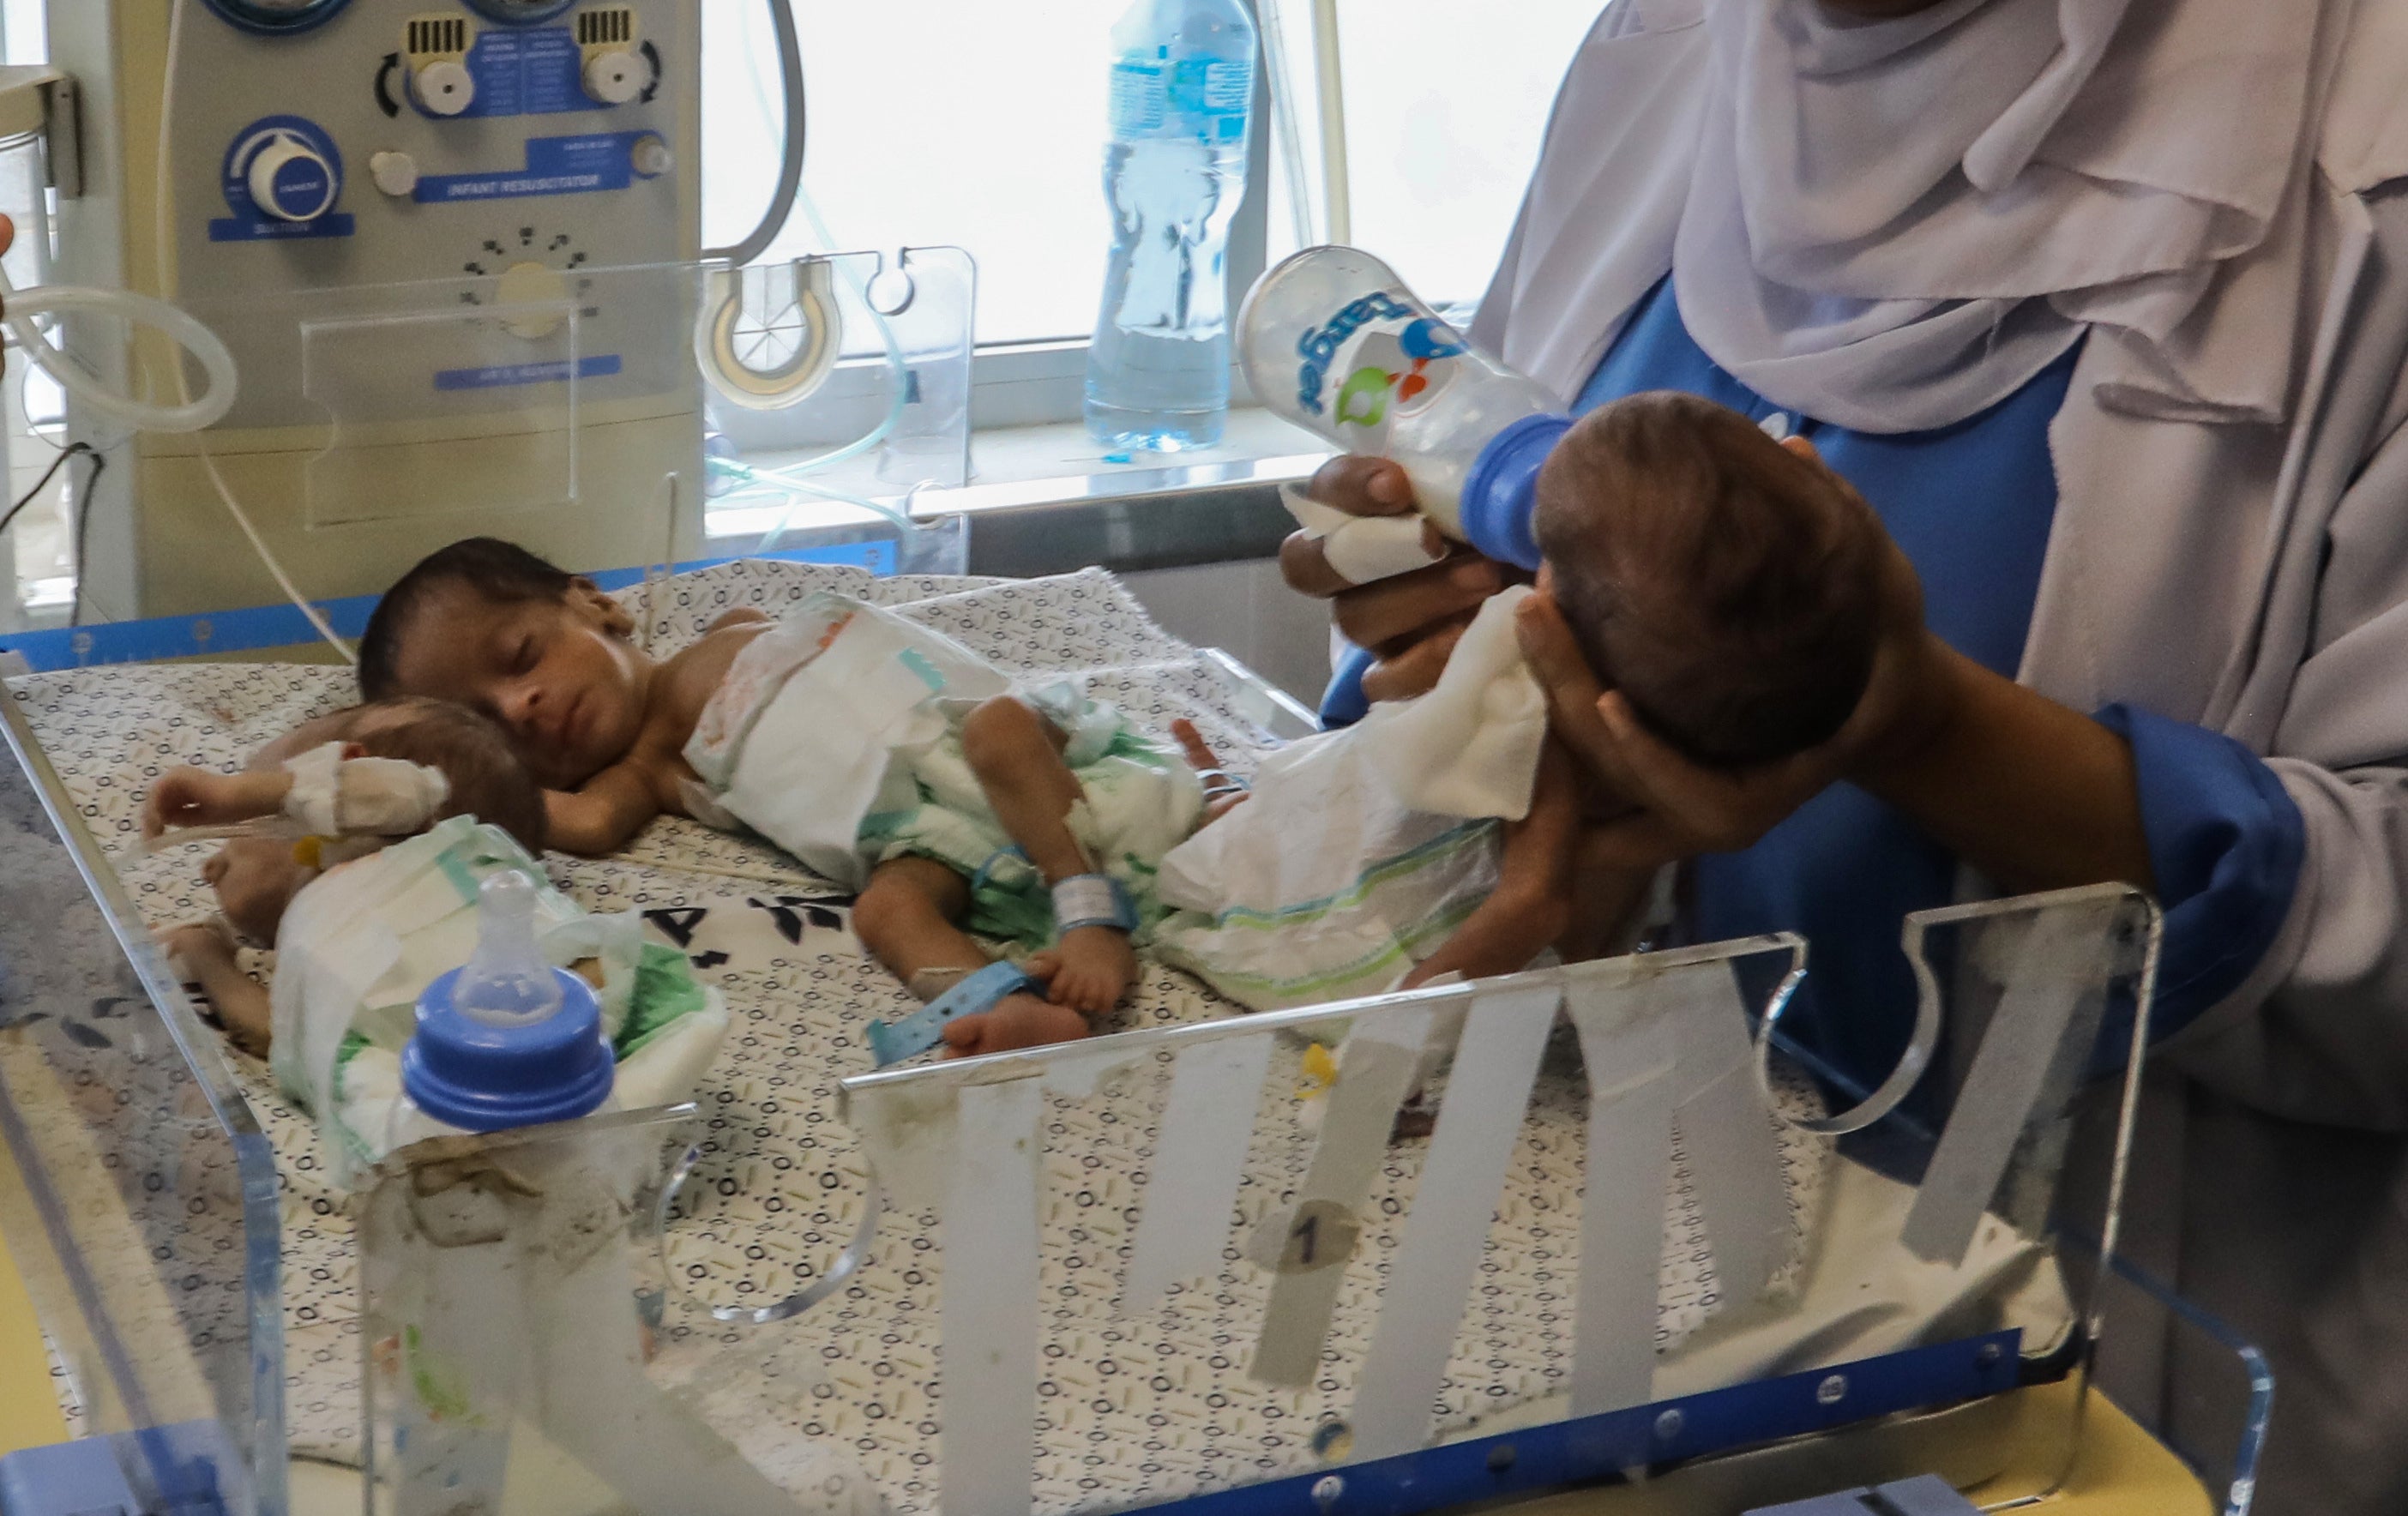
{"x":1891,"y":225}
{"x":1363,"y":849}
{"x":1361,"y":550}
{"x":1470,"y":747}
{"x":804,"y":773}
{"x":337,"y":796}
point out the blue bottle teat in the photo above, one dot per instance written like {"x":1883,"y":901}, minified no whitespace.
{"x":507,"y":1040}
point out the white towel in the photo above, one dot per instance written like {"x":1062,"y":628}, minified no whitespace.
{"x":1470,"y":747}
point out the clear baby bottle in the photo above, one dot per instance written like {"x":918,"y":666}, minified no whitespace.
{"x":507,"y":1040}
{"x":1334,"y":341}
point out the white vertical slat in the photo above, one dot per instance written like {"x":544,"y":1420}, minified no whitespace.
{"x":1437,"y":1259}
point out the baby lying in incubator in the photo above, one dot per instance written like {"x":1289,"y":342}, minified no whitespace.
{"x":891,"y":759}
{"x":356,"y":847}
{"x":884,"y":755}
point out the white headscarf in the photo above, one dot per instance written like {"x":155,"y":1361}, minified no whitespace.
{"x":1891,"y":225}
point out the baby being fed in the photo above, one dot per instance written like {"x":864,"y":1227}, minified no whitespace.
{"x":890,"y":759}
{"x":1728,"y":585}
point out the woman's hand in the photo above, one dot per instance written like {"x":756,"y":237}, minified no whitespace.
{"x":1648,"y":805}
{"x":1412,"y":621}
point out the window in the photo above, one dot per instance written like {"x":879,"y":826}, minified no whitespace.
{"x":977,"y":125}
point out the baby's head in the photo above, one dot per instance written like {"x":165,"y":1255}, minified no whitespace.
{"x":256,"y":878}
{"x":1727,"y":586}
{"x":544,"y":653}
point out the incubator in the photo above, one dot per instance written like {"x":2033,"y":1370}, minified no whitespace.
{"x":1653,"y":1239}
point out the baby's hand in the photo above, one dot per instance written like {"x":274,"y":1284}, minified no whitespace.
{"x":188,"y":798}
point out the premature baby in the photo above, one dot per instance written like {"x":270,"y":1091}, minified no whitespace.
{"x":358,"y":846}
{"x":1726,"y":583}
{"x":258,"y":871}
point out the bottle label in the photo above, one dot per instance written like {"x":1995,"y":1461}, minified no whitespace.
{"x":1206,"y":97}
{"x":1376,"y":361}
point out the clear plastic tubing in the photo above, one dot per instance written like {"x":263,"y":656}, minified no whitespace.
{"x":179,"y":325}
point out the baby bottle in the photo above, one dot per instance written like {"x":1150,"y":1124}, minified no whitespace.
{"x":506,"y":1040}
{"x":1334,"y":341}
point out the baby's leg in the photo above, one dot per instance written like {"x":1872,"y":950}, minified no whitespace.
{"x":200,"y":955}
{"x":1017,"y":755}
{"x":907,"y":917}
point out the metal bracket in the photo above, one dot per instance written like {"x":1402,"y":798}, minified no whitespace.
{"x":39,"y":101}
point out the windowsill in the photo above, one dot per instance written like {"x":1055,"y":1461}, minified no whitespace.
{"x":1021,"y":467}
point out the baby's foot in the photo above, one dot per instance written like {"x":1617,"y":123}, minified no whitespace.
{"x":1093,"y":968}
{"x":1017,"y":1020}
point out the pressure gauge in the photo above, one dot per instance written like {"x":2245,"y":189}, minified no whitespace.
{"x":521,"y":12}
{"x":277,"y":17}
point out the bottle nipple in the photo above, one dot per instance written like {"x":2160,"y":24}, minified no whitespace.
{"x":506,"y":982}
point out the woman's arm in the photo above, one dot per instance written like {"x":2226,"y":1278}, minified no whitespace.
{"x":2030,"y":792}
{"x":2034,"y":795}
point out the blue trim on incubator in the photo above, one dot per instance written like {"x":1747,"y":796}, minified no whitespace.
{"x":591,"y":162}
{"x":1648,"y":1436}
{"x":284,"y":626}
{"x":77,"y":1479}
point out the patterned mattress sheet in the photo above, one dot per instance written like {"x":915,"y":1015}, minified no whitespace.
{"x":1140,"y":1409}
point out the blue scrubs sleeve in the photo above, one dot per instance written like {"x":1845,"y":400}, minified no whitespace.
{"x":1344,"y":702}
{"x":2226,"y":840}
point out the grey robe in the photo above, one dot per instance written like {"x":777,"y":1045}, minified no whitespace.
{"x":2248,"y":576}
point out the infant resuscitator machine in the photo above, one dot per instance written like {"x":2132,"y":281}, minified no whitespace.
{"x":431,"y":267}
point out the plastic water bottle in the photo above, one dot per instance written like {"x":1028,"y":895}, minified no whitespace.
{"x":1182,"y":92}
{"x":1333,"y":340}
{"x":507,"y":1040}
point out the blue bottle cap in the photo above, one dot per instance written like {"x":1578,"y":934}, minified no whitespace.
{"x":482,"y":1078}
{"x":507,"y":1040}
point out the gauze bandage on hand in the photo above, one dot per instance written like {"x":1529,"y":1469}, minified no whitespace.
{"x":1361,"y":550}
{"x":336,"y":796}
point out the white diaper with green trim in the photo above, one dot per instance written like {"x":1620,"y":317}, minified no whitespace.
{"x":1324,"y":886}
{"x":363,"y":941}
{"x":836,"y":734}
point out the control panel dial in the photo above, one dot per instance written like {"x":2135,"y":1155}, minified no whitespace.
{"x":274,"y":16}
{"x":291,"y":172}
{"x":617,"y":77}
{"x":443,"y":88}
{"x":520,"y":12}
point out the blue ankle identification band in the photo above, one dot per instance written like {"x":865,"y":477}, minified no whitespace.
{"x":1093,"y":900}
{"x":924,"y":1029}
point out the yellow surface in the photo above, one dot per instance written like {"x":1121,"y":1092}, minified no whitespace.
{"x":2122,"y":1471}
{"x":29,"y":1408}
